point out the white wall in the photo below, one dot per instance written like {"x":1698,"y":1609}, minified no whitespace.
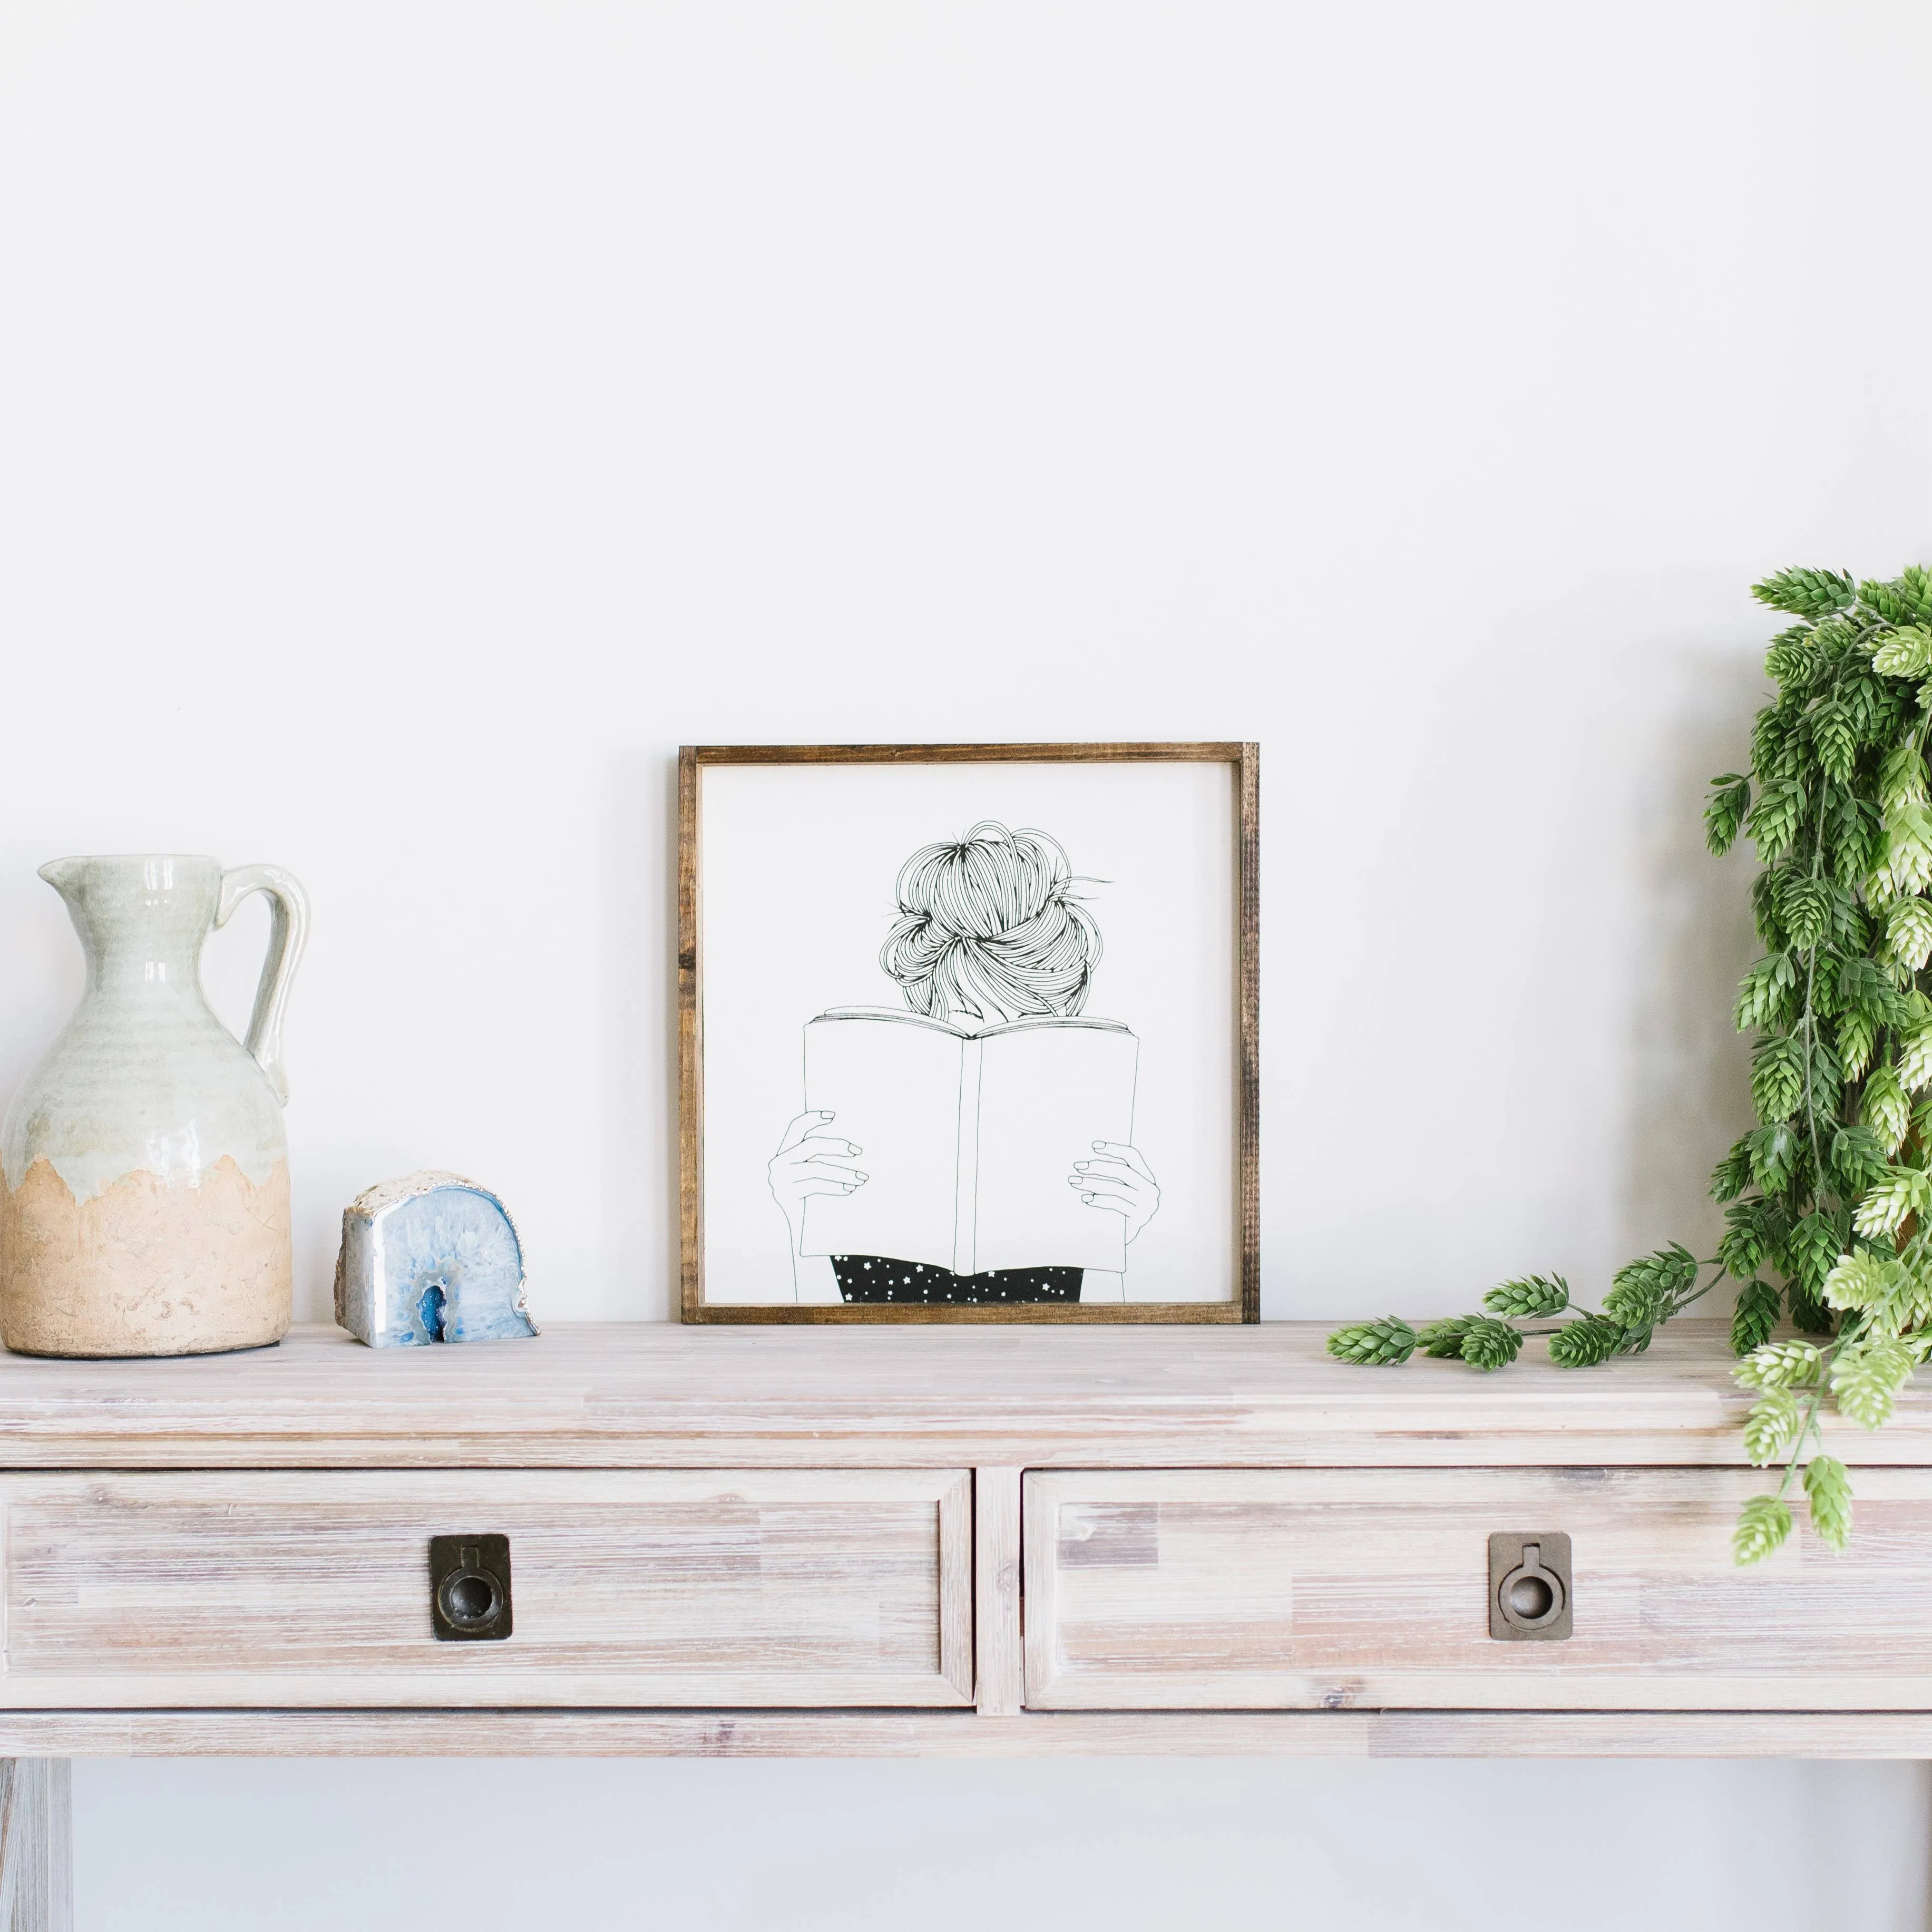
{"x":414,"y":421}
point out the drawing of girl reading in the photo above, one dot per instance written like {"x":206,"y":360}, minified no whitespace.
{"x":998,"y":1115}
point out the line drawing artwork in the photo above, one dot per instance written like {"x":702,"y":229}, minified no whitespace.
{"x":975,"y":1144}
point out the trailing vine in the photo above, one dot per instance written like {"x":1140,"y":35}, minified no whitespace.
{"x":1828,"y":1198}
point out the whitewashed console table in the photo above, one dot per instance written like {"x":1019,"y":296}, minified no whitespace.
{"x":983,"y":1540}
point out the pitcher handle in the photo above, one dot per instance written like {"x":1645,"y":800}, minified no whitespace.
{"x":288,"y":934}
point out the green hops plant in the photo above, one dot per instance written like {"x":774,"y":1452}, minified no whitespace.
{"x":1442,"y":1341}
{"x":1754,"y":1317}
{"x":1828,"y":1200}
{"x":1388,"y":1341}
{"x":1534,"y":1294}
{"x":1806,"y":593}
{"x":1582,"y":1344}
{"x":1730,"y":799}
{"x":1772,"y":1427}
{"x":1866,"y":1377}
{"x":1763,"y":1523}
{"x":1828,"y":1488}
{"x":1489,"y":1343}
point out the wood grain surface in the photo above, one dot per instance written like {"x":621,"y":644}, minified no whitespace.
{"x":996,"y":1512}
{"x":1333,"y":1589}
{"x":647,"y":1733}
{"x":36,"y":1844}
{"x":1244,"y":1305}
{"x":659,"y":1395}
{"x":754,"y":1588}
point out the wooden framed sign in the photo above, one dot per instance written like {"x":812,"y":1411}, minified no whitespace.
{"x":968,"y":1033}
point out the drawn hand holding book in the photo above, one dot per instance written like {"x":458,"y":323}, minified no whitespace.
{"x":810,"y":1161}
{"x":1120,"y":1182}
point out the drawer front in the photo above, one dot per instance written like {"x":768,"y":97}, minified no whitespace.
{"x":733,"y":1588}
{"x":1281,"y":1589}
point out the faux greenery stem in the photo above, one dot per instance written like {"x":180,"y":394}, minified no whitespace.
{"x":1828,"y":1199}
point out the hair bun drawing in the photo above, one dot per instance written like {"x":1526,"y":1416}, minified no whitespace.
{"x":989,"y":923}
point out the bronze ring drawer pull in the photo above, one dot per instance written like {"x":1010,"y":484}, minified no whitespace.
{"x":469,"y":1587}
{"x":1530,"y":1589}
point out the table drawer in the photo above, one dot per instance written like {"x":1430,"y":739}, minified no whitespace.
{"x":1312,"y":1588}
{"x":724,"y":1587}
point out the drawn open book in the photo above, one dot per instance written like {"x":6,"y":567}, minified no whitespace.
{"x":969,"y":1137}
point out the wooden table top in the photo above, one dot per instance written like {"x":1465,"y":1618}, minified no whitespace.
{"x":655,"y":1394}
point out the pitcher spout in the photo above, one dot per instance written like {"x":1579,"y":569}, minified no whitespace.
{"x":63,"y":874}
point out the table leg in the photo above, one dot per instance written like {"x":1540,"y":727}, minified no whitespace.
{"x":36,"y":1844}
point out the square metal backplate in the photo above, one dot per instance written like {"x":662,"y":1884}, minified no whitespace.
{"x":469,"y":1588}
{"x":1531,"y":1598}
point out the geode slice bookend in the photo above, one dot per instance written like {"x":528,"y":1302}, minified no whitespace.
{"x":429,"y":1258}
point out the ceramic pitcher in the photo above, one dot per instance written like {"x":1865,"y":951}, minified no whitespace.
{"x":145,"y":1207}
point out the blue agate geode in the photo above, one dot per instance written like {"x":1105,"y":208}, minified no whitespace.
{"x":429,"y":1258}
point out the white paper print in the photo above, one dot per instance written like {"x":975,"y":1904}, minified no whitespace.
{"x":969,"y":1046}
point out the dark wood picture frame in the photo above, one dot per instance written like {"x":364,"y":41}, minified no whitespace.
{"x":692,"y":759}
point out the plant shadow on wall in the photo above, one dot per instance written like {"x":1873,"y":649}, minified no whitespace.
{"x":1828,"y":1200}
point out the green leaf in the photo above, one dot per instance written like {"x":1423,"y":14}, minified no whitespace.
{"x":1754,"y":1317}
{"x":1886,"y":1111}
{"x":1914,"y":1060}
{"x":1773,"y":821}
{"x":1866,"y":1377}
{"x":1826,"y":1080}
{"x":1751,"y":1227}
{"x":1857,"y":1036}
{"x":1904,"y":1308}
{"x":1791,"y":658}
{"x":1442,"y":1341}
{"x":1770,"y":730}
{"x":1731,"y":1175}
{"x":1905,"y":653}
{"x":1730,"y":799}
{"x":1809,"y":1315}
{"x":1771,"y":1427}
{"x":1806,"y":593}
{"x":1860,"y":1280}
{"x":1834,"y":737}
{"x":1810,"y":1250}
{"x":1886,"y":601}
{"x":1871,"y":706}
{"x":1866,"y":987}
{"x":1857,"y":1161}
{"x":1836,"y":637}
{"x":1490,"y":1344}
{"x":1375,"y":1343}
{"x":1774,"y":1156}
{"x":1584,"y":1343}
{"x":1827,"y":1488}
{"x":1763,"y":1523}
{"x":1781,"y":1365}
{"x":1532,"y":1294}
{"x":1804,"y":906}
{"x":1902,"y":777}
{"x":1908,"y":933}
{"x":1914,"y":583}
{"x":1766,"y":990}
{"x":1777,"y":1078}
{"x":1644,"y":1292}
{"x":1907,"y":850}
{"x":1904,"y":1191}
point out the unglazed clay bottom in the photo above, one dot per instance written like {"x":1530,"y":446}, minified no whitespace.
{"x":146,"y":1268}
